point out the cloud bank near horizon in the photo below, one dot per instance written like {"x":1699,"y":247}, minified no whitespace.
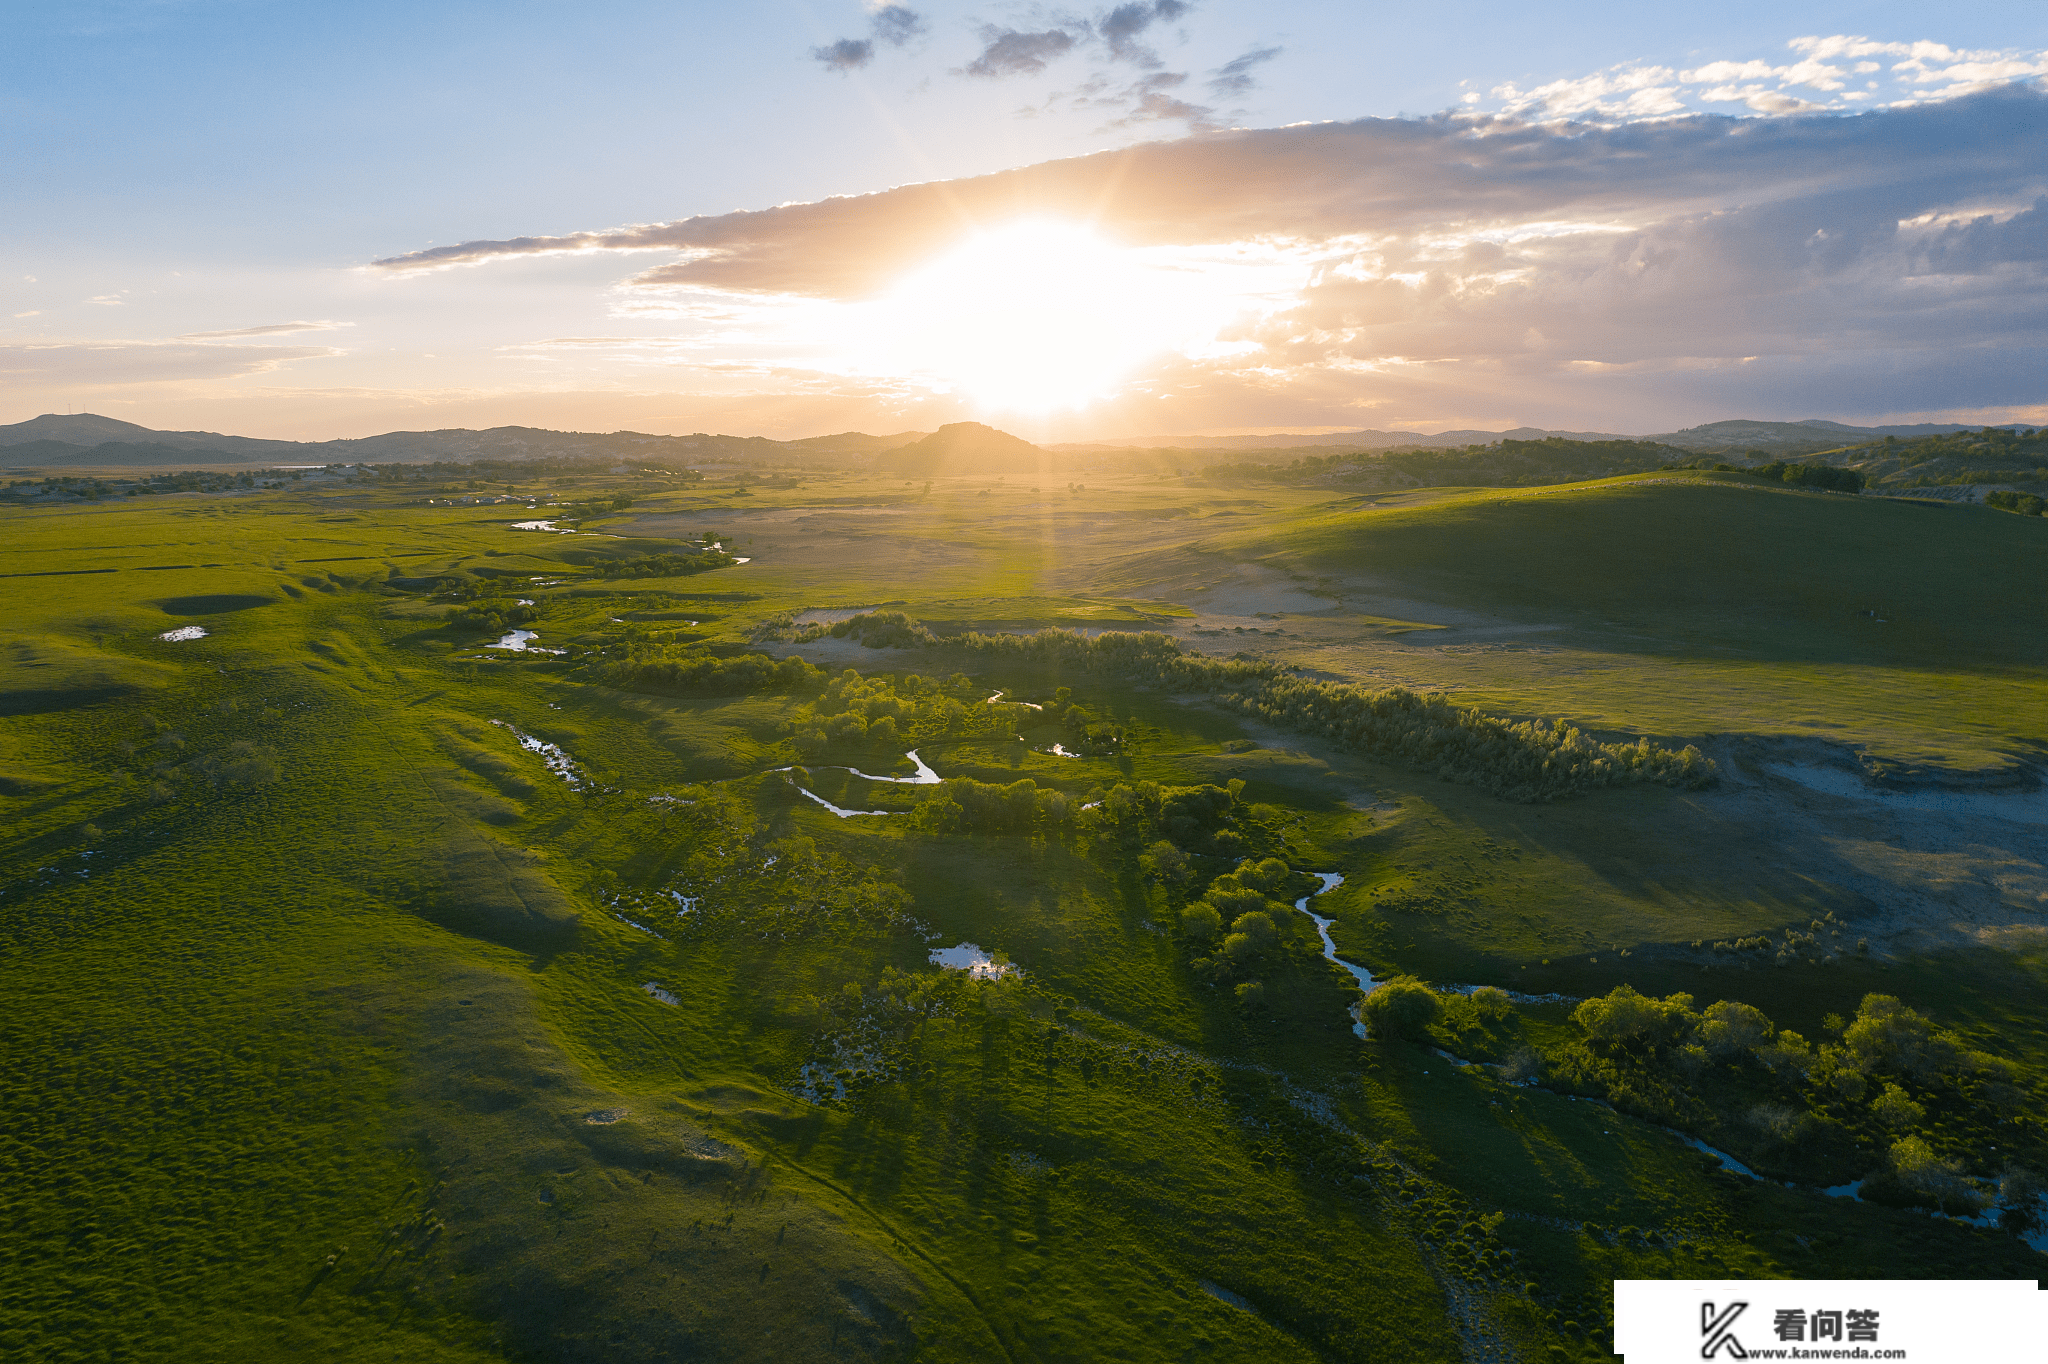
{"x":1874,"y":261}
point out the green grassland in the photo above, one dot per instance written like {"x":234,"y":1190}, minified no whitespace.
{"x":341,"y":1022}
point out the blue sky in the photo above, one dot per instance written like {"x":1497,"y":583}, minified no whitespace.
{"x":184,"y":171}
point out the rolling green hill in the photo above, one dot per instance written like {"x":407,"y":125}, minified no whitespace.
{"x":377,"y":993}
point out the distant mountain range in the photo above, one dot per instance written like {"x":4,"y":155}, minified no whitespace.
{"x":1775,"y":437}
{"x":1343,"y":440}
{"x":87,"y":439}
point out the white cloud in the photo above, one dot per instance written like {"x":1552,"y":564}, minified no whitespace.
{"x":92,"y":364}
{"x":271,"y":329}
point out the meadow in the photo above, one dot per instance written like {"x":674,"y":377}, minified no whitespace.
{"x":377,"y":993}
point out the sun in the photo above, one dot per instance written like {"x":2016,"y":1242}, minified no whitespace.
{"x":1031,"y":317}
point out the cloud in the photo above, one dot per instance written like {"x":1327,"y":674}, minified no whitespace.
{"x":891,"y":25}
{"x":115,"y":363}
{"x":1006,"y":52}
{"x":1234,"y":77}
{"x":1819,"y":79}
{"x":1151,"y":101}
{"x":898,"y":25}
{"x":1122,"y":26}
{"x":1895,"y":259}
{"x":848,"y":54}
{"x":273,"y":329}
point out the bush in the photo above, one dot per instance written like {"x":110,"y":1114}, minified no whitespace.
{"x":1251,"y":994}
{"x":1896,"y":1110}
{"x":2026,"y":504}
{"x":1401,"y":1007}
{"x":1168,"y":863}
{"x":1492,"y":1003}
{"x":1258,"y":926}
{"x":1920,"y":1169}
{"x":1729,"y":1029}
{"x":1267,"y":876}
{"x":1201,"y":921}
{"x":883,"y":630}
{"x":1787,"y":1057}
{"x":1623,"y":1018}
{"x":1780,"y":1123}
{"x":1886,"y":1035}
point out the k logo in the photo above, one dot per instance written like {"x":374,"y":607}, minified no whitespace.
{"x":1717,"y":1332}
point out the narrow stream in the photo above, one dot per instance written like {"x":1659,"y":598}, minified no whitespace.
{"x":1366,"y":984}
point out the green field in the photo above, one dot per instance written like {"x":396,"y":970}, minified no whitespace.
{"x":344,"y":1026}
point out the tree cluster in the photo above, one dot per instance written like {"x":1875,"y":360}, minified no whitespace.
{"x":2026,"y":504}
{"x":1890,"y":1065}
{"x":662,"y":565}
{"x":1826,"y":476}
{"x":964,"y":805}
{"x":494,"y":615}
{"x":881,"y":711}
{"x":875,"y":629}
{"x":1526,"y":761}
{"x":694,"y":671}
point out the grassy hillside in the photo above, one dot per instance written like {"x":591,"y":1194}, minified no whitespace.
{"x":378,"y":994}
{"x":1708,"y":604}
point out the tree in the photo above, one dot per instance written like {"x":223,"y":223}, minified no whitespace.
{"x":1258,"y":926}
{"x":1201,"y":921}
{"x":1624,"y":1018}
{"x":1888,"y":1035}
{"x":1896,"y":1110}
{"x":1168,"y":863}
{"x":1267,"y":876}
{"x":1920,"y":1169}
{"x":1729,"y":1029}
{"x":1401,"y":1007}
{"x":1492,"y":1003}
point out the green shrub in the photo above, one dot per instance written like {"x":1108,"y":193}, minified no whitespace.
{"x":669,"y":669}
{"x":1622,"y":1018}
{"x":1402,"y":1007}
{"x":1919,"y":1168}
{"x":1492,"y":1003}
{"x":1729,"y":1029}
{"x":1266,"y":876}
{"x":1896,"y":1110}
{"x":1258,"y":926}
{"x":1886,"y":1035}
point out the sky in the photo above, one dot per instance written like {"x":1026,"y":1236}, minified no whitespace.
{"x":1149,"y":219}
